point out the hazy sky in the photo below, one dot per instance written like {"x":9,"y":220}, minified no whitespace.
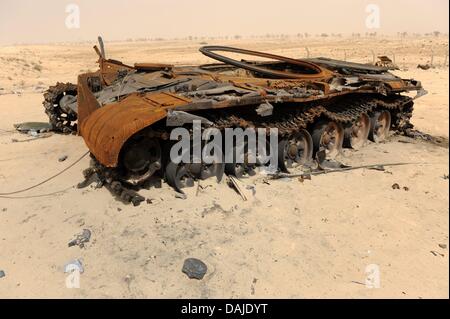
{"x":33,"y":21}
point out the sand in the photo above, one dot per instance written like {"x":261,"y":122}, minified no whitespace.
{"x":292,"y":239}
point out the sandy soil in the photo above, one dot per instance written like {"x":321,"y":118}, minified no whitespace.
{"x":291,"y":239}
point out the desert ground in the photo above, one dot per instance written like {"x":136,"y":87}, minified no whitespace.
{"x":291,"y":239}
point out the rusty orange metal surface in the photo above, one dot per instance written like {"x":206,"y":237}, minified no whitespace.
{"x":109,"y":69}
{"x":108,"y":128}
{"x":396,"y":85}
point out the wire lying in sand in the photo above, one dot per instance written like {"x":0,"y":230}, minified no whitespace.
{"x":39,"y":195}
{"x":46,"y":180}
{"x":342,"y":169}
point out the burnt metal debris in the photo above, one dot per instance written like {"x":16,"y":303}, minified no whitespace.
{"x":81,"y":239}
{"x":125,"y":113}
{"x":33,"y":127}
{"x":386,"y":62}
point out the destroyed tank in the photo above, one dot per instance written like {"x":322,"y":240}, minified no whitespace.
{"x":125,"y":114}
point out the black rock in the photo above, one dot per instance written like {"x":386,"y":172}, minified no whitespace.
{"x":2,"y":274}
{"x":194,"y":268}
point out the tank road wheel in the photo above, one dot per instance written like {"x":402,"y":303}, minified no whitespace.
{"x":141,"y":158}
{"x":356,"y":135}
{"x":214,"y":169}
{"x":178,"y":176}
{"x":206,"y":170}
{"x":56,"y":103}
{"x":295,"y":150}
{"x":328,"y":135}
{"x":240,"y":169}
{"x":380,"y":123}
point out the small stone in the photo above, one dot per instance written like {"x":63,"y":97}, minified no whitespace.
{"x":194,"y":268}
{"x":119,"y":209}
{"x":406,"y":188}
{"x":395,"y":186}
{"x":2,"y":274}
{"x":443,"y":246}
{"x":62,"y":158}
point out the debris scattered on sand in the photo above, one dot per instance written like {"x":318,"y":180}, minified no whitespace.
{"x":378,"y":168}
{"x":435,"y":253}
{"x":252,"y":287}
{"x":90,"y":177}
{"x":234,"y":183}
{"x":395,"y":186}
{"x":81,"y":239}
{"x":302,"y":178}
{"x":33,"y":127}
{"x":358,"y":282}
{"x":2,"y":274}
{"x":331,"y":164}
{"x":424,"y":66}
{"x":180,"y":195}
{"x":62,"y":158}
{"x":251,"y":188}
{"x":35,"y":136}
{"x":194,"y":268}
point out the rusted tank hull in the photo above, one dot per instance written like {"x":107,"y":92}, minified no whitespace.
{"x":126,"y":113}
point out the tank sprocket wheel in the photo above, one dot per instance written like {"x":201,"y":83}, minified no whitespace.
{"x":60,"y":120}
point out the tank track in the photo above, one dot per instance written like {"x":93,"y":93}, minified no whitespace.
{"x":346,"y":111}
{"x":61,"y":121}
